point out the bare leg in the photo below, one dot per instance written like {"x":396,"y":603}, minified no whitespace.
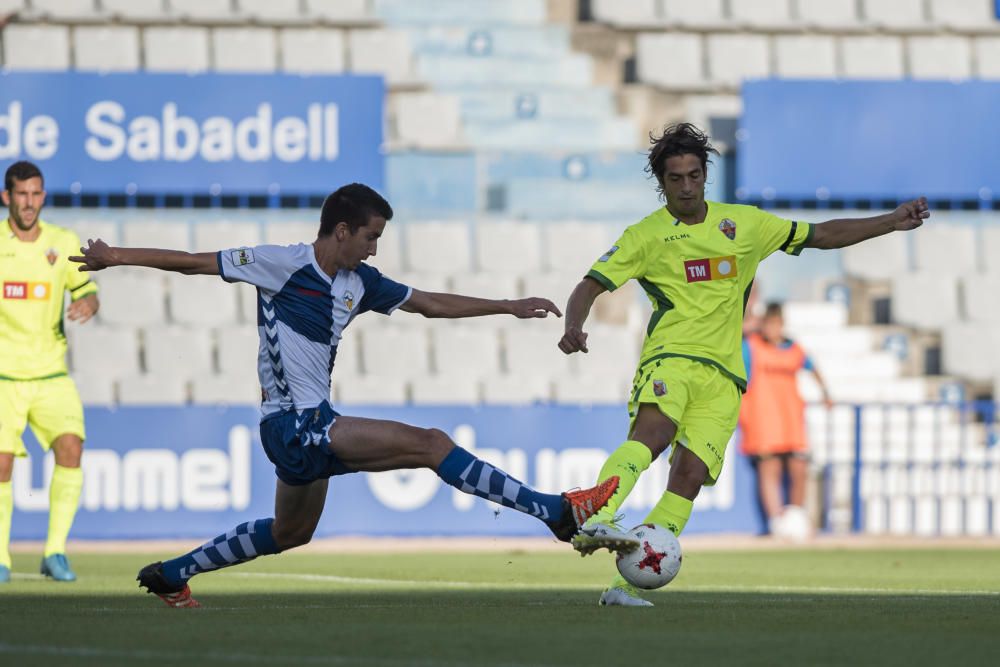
{"x":297,"y":510}
{"x":769,"y":472}
{"x":375,"y":445}
{"x":798,"y":475}
{"x":6,"y":467}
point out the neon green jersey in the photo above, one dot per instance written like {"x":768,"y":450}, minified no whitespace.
{"x":698,"y":278}
{"x":34,"y":275}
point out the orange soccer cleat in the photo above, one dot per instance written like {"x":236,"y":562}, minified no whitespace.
{"x":578,"y":506}
{"x":151,"y":578}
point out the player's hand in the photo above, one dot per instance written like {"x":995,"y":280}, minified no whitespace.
{"x":574,"y":340}
{"x":96,"y":255}
{"x":83,"y":309}
{"x":910,"y":215}
{"x":533,"y":307}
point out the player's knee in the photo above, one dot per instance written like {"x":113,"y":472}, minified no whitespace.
{"x":289,"y":537}
{"x":6,"y":467}
{"x":437,"y":442}
{"x":68,"y":451}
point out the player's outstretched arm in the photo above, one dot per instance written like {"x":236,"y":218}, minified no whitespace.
{"x":577,"y":311}
{"x":440,"y":304}
{"x":98,"y":255}
{"x":845,"y":232}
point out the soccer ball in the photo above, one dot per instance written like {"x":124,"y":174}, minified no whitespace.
{"x":655,"y":562}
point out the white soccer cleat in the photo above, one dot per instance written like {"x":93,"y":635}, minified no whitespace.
{"x":623,"y":596}
{"x":596,"y":535}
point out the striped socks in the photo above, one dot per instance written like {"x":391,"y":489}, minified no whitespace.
{"x":241,"y":544}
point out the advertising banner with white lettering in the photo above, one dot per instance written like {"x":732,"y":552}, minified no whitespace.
{"x":203,"y":133}
{"x":193,"y":472}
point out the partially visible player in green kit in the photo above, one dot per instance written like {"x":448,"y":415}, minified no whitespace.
{"x":696,"y":261}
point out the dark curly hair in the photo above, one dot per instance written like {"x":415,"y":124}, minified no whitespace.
{"x":678,"y":139}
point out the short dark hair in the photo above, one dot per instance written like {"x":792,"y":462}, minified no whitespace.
{"x":678,"y":139}
{"x":354,"y":204}
{"x":21,"y":171}
{"x":773,"y":309}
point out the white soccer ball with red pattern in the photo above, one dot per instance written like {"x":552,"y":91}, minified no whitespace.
{"x":657,"y":560}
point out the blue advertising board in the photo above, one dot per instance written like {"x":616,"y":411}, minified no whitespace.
{"x":204,"y":133}
{"x":869,"y":139}
{"x":196,"y":471}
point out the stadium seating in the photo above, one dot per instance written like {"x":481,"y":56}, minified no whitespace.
{"x":20,"y":47}
{"x":176,"y":49}
{"x":244,"y":50}
{"x":312,"y":50}
{"x":106,"y":48}
{"x":939,"y":57}
{"x":135,"y":10}
{"x":805,"y":57}
{"x":872,"y":57}
{"x":828,"y":14}
{"x":987,"y":57}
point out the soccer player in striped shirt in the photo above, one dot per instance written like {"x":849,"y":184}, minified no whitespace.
{"x":696,"y":261}
{"x":306,"y":295}
{"x":35,"y":388}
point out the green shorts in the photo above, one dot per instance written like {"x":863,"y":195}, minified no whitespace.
{"x":51,"y":407}
{"x":699,"y":398}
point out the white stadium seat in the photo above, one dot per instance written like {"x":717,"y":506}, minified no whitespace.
{"x":203,"y":10}
{"x":164,"y":235}
{"x":201,"y":301}
{"x":106,"y":48}
{"x":970,"y":350}
{"x":340,"y":11}
{"x":89,"y":228}
{"x":244,"y":50}
{"x":902,"y":15}
{"x":946,"y":249}
{"x":508,"y":246}
{"x":184,"y":353}
{"x":136,"y":10}
{"x":516,"y":390}
{"x":132,"y":297}
{"x":486,"y":285}
{"x":21,"y":47}
{"x":100,"y":350}
{"x":237,"y":351}
{"x":224,"y":390}
{"x":272,"y":11}
{"x":392,"y":352}
{"x":814,"y":315}
{"x":881,"y":257}
{"x":389,"y":252}
{"x":634,"y":14}
{"x":805,"y":57}
{"x":590,"y":389}
{"x":687,"y":14}
{"x":8,"y":7}
{"x":990,"y":242}
{"x":928,"y":300}
{"x":286,"y":232}
{"x":176,"y":49}
{"x":530,"y":352}
{"x":426,"y":120}
{"x":979,"y":296}
{"x":987,"y":54}
{"x":246,"y":296}
{"x":66,"y":10}
{"x":445,"y":390}
{"x":735,"y":58}
{"x":940,"y":57}
{"x":828,"y":14}
{"x":95,"y":389}
{"x":156,"y":389}
{"x":348,"y":362}
{"x":871,"y":57}
{"x":761,"y":14}
{"x":438,"y":247}
{"x":312,"y":51}
{"x":572,"y":247}
{"x":385,"y":52}
{"x":222,"y":235}
{"x":370,"y":390}
{"x":964,"y":14}
{"x":553,"y":286}
{"x":463,"y":350}
{"x":671,"y":60}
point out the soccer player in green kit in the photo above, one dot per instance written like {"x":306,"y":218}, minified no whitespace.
{"x":696,"y":261}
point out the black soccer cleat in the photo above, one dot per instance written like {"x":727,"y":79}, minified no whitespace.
{"x":151,"y":578}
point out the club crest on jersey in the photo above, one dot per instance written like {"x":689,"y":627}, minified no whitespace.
{"x":52,"y":256}
{"x":349,"y":300}
{"x":242,"y":257}
{"x":659,"y":388}
{"x":606,"y":256}
{"x":728,"y":227}
{"x":713,"y":268}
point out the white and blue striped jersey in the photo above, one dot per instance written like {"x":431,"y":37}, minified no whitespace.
{"x":301,"y":316}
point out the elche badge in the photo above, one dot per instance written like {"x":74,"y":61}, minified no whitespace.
{"x":728,"y":227}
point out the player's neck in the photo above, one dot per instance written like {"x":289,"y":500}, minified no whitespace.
{"x":690,"y":218}
{"x":29,"y":235}
{"x":326,"y":257}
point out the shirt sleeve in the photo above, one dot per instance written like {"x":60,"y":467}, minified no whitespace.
{"x":625,"y":260}
{"x":807,"y":363}
{"x":78,"y":283}
{"x":264,"y":266}
{"x":774,"y":233}
{"x":382,"y":294}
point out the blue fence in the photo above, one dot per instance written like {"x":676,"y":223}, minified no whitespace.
{"x":198,"y":134}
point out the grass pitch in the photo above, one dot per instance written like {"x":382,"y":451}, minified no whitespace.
{"x":517,"y":609}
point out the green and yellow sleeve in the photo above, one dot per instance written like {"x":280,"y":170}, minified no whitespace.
{"x":774,"y":233}
{"x":625,"y":260}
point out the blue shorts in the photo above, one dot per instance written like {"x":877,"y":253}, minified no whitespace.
{"x":298,"y":444}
